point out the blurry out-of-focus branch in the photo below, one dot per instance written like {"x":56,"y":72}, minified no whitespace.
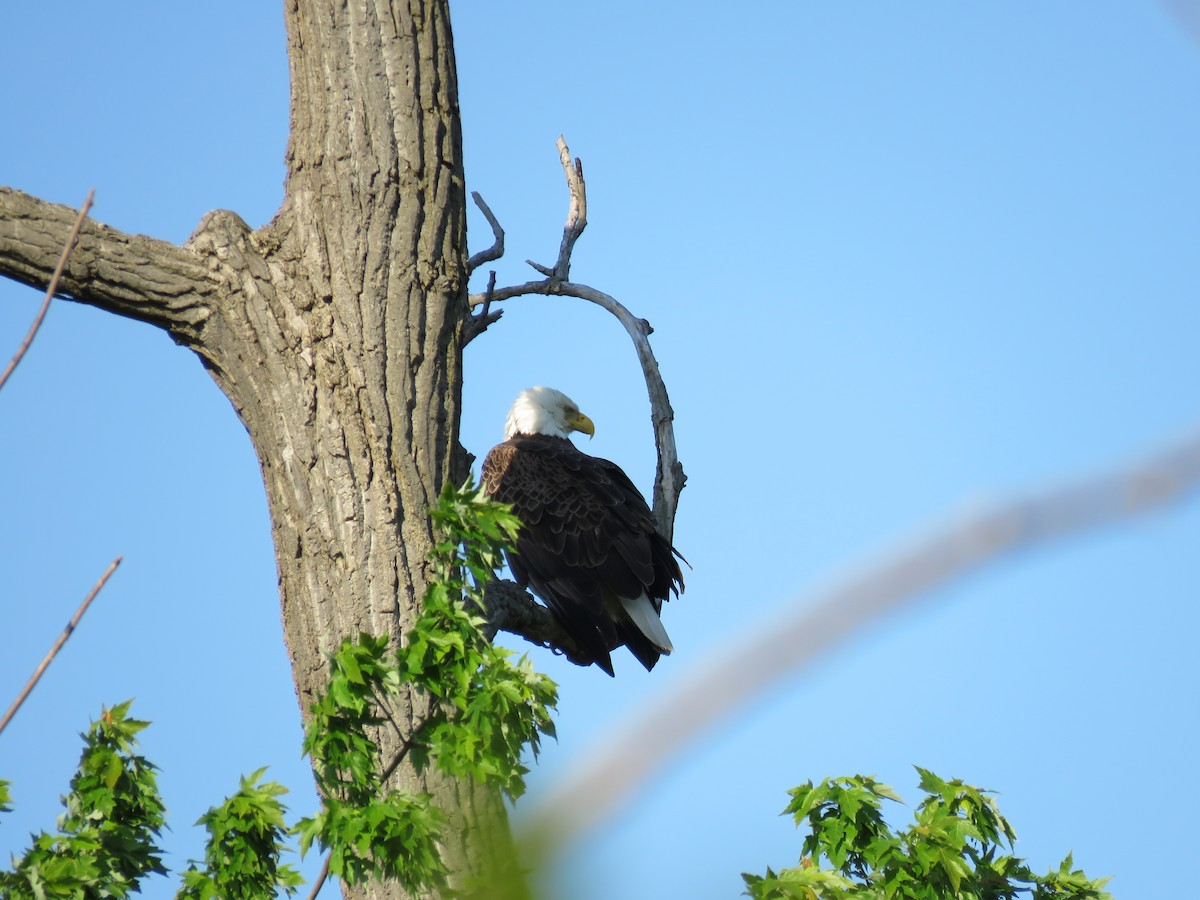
{"x":62,"y":639}
{"x":608,"y":776}
{"x":50,"y":290}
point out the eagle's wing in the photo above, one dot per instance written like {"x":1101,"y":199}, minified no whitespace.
{"x":589,"y":547}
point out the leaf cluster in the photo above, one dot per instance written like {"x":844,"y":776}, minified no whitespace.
{"x":246,"y":835}
{"x":483,"y":709}
{"x":106,"y":841}
{"x":958,"y":846}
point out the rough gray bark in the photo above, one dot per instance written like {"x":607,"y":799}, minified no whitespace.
{"x":336,"y":330}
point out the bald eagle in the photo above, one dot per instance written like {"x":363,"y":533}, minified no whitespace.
{"x":588,"y":546}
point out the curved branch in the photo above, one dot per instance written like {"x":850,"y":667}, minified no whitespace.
{"x":822,"y":618}
{"x":510,"y":608}
{"x":128,"y":274}
{"x":497,"y":249}
{"x":669,"y":477}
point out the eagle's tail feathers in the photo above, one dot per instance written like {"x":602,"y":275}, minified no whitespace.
{"x":645,"y":617}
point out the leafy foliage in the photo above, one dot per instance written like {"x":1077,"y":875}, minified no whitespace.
{"x":959,"y":846}
{"x":490,"y":707}
{"x":246,"y":840}
{"x":370,"y":832}
{"x":483,"y":710}
{"x":106,"y":841}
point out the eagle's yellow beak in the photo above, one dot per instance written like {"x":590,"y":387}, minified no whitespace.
{"x":579,"y":422}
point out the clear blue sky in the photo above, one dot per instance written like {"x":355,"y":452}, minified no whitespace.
{"x":899,"y":257}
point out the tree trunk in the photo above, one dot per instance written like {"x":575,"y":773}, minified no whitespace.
{"x":336,"y":330}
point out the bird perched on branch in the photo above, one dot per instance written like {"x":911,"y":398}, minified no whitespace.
{"x":588,"y":545}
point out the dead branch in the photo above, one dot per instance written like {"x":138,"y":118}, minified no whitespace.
{"x":62,"y":638}
{"x":576,"y":215}
{"x":51,"y":289}
{"x":497,"y":249}
{"x":669,"y":477}
{"x":510,"y":608}
{"x":611,"y":773}
{"x":478,"y":323}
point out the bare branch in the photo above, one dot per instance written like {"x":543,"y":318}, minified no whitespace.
{"x":669,"y":478}
{"x":50,"y":290}
{"x":319,"y":882}
{"x":823,"y":617}
{"x":62,"y":639}
{"x":576,"y":215}
{"x":497,"y":249}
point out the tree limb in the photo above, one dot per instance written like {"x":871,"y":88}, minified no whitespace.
{"x":511,"y":609}
{"x":478,"y":323}
{"x":128,"y":274}
{"x":603,"y":781}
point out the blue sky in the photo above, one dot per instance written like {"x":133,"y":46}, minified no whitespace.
{"x":899,"y":258}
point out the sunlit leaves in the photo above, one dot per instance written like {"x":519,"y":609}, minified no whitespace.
{"x":959,"y":846}
{"x":245,"y":841}
{"x":484,"y":710}
{"x":106,"y":841}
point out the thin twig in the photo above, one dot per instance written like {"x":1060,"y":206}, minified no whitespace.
{"x":320,"y":880}
{"x":50,"y":291}
{"x":62,"y":639}
{"x":723,"y":684}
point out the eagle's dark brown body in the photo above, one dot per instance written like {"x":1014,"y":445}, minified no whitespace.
{"x":589,"y":546}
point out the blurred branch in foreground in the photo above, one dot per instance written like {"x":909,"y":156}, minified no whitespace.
{"x":601,"y":783}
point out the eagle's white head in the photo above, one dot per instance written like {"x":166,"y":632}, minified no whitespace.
{"x":543,"y":410}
